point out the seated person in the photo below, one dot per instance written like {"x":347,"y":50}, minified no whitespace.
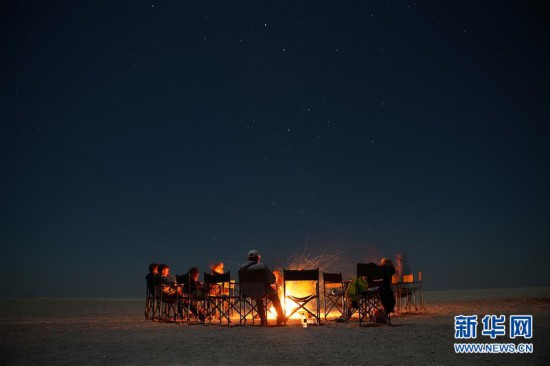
{"x":195,"y":286}
{"x":152,"y":277}
{"x":167,"y":282}
{"x":192,"y":287}
{"x":259,"y":292}
{"x":355,"y":288}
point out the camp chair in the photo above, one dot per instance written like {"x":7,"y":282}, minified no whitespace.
{"x":403,"y":293}
{"x":156,"y":314}
{"x":149,"y":300}
{"x":166,"y":305}
{"x":191,"y":301}
{"x":347,"y":301}
{"x":414,"y":287}
{"x":152,"y":298}
{"x":420,"y":288}
{"x":311,"y":275}
{"x":219,"y":297}
{"x":378,"y":280}
{"x":408,"y":291}
{"x":333,"y":293}
{"x":256,"y":280}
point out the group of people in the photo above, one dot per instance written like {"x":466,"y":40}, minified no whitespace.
{"x":159,"y":274}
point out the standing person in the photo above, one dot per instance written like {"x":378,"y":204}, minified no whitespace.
{"x":386,"y":294}
{"x":259,"y":292}
{"x":402,"y":267}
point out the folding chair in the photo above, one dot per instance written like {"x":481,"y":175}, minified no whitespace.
{"x":191,"y":301}
{"x":220,"y":299}
{"x":379,"y":281}
{"x":152,"y":298}
{"x":251,"y":282}
{"x":311,"y":275}
{"x":409,"y":292}
{"x":333,"y":293}
{"x":149,"y":300}
{"x":402,"y":293}
{"x":156,"y":315}
{"x":415,"y":286}
{"x":349,"y":312}
{"x":167,"y":305}
{"x":420,"y":288}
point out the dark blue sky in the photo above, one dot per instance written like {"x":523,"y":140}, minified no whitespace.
{"x":191,"y":132}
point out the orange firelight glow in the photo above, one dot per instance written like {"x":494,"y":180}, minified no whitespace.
{"x":294,"y":288}
{"x":217,"y":268}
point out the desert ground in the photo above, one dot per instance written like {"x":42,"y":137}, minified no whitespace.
{"x":114,"y":332}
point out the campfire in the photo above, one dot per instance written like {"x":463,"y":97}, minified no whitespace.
{"x":325,"y":262}
{"x":218,"y":268}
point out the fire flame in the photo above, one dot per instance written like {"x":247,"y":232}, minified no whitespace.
{"x":326,"y":261}
{"x":294,"y":288}
{"x":217,"y":268}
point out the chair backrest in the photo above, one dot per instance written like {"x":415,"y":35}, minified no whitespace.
{"x":183,"y":279}
{"x":217,"y":278}
{"x":419,"y":278}
{"x":376,"y":275}
{"x":301,"y":275}
{"x":150,"y":286}
{"x":157,"y":290}
{"x":253,"y":284}
{"x":332,"y":277}
{"x":152,"y":280}
{"x":253,"y":277}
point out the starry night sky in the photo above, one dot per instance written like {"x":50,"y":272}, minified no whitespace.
{"x":188,"y":132}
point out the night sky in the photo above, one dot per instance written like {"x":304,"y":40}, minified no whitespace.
{"x":188,"y":132}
